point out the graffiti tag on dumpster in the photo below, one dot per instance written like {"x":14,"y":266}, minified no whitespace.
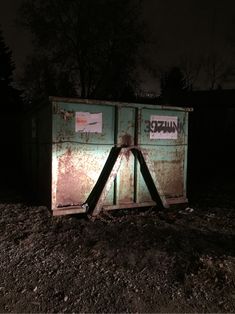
{"x":163,"y":127}
{"x":86,"y":122}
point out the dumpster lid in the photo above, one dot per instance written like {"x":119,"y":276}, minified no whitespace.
{"x":117,"y":103}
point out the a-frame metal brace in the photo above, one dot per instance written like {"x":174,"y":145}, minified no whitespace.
{"x":95,"y":200}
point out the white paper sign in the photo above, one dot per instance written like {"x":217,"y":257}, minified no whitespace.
{"x":87,"y":122}
{"x":163,"y":127}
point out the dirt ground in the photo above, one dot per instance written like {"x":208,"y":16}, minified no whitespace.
{"x":129,"y":261}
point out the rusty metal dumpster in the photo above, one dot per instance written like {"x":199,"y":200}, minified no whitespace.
{"x":109,"y":155}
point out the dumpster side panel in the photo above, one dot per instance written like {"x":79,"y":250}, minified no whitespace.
{"x":79,"y":156}
{"x":44,"y":148}
{"x":168,"y":155}
{"x":78,"y":169}
{"x":36,"y":154}
{"x":30,"y":155}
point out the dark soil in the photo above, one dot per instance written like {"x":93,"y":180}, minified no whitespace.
{"x":129,"y":261}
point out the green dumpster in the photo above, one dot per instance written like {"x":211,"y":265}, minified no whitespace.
{"x":111,"y":155}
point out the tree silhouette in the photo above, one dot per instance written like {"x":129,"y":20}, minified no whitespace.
{"x":9,"y":120}
{"x":95,"y":42}
{"x":191,"y":68}
{"x":41,"y":79}
{"x":9,"y":95}
{"x":6,"y":64}
{"x":217,"y":70}
{"x":173,"y":85}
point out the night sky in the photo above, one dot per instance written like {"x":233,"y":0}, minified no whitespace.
{"x":190,"y":28}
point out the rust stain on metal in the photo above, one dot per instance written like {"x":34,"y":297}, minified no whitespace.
{"x":72,"y":183}
{"x":66,"y":115}
{"x":69,"y":151}
{"x":63,"y":135}
{"x":144,"y":195}
{"x":126,"y":140}
{"x":85,"y":137}
{"x":77,"y":174}
{"x":170,"y":176}
{"x":126,"y":177}
{"x":108,"y":185}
